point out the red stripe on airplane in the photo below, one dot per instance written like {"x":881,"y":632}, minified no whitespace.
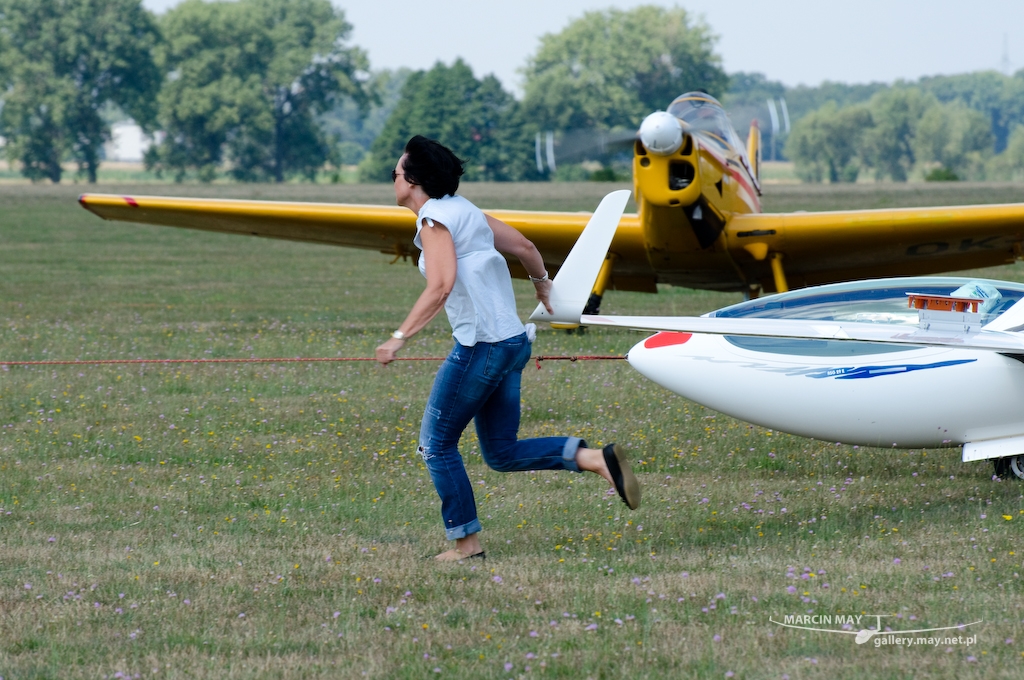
{"x":727,"y":168}
{"x":666,"y":338}
{"x":742,"y":180}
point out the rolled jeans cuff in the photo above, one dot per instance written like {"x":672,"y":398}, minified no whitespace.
{"x":572,"y":445}
{"x":463,"y":530}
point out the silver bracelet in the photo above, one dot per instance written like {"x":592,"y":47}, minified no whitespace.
{"x":537,"y":279}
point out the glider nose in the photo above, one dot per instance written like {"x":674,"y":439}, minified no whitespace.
{"x":649,"y":356}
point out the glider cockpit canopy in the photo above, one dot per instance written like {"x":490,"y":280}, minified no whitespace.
{"x":878,"y":301}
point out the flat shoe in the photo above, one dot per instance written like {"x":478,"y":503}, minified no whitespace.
{"x":625,"y":481}
{"x":480,"y":555}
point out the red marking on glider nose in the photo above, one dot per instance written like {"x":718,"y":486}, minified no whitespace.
{"x":131,"y":201}
{"x":666,"y":338}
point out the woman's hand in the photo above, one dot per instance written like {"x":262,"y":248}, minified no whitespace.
{"x":544,"y":294}
{"x":387,"y":351}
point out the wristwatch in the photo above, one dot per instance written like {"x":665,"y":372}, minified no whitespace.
{"x":537,"y":279}
{"x":398,"y":335}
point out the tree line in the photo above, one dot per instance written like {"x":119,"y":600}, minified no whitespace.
{"x":272,"y":90}
{"x":235,"y":86}
{"x":939,"y":128}
{"x":269,"y":90}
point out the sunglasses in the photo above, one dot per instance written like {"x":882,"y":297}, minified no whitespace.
{"x":395,"y":174}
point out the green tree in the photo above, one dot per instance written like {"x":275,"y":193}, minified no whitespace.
{"x":999,"y":98}
{"x":747,"y":101}
{"x":61,"y":62}
{"x":804,"y":99}
{"x":889,"y":145}
{"x":1010,"y":163}
{"x":806,"y":148}
{"x":247,"y":81}
{"x":477,"y":119}
{"x":348,"y":121}
{"x":954,"y":137}
{"x":827,"y":143}
{"x":994,"y":95}
{"x":751,"y":88}
{"x":610,"y":69}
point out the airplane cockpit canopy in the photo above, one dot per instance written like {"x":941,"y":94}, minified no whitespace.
{"x":700,"y":111}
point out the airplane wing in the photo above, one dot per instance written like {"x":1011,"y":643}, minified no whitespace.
{"x":383,"y":228}
{"x":817,"y":247}
{"x":826,"y":247}
{"x":996,"y":341}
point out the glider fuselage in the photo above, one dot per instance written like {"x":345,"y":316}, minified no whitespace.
{"x":847,"y":391}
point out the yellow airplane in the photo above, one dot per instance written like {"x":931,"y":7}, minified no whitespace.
{"x":699,"y":222}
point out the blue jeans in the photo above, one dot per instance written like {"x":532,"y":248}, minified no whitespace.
{"x":482,"y":383}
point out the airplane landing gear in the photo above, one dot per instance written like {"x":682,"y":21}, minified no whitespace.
{"x":594,"y":302}
{"x":1011,"y":467}
{"x":593,"y":307}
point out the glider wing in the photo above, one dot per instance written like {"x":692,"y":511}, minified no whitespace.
{"x":570,"y":290}
{"x":996,"y":341}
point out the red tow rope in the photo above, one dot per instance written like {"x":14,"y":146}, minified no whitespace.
{"x":83,"y":362}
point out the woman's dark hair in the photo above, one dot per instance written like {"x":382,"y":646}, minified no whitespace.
{"x":433,"y":166}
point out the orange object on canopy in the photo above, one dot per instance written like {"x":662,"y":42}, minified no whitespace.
{"x":942,"y":303}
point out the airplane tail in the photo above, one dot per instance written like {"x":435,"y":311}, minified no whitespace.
{"x":754,"y":149}
{"x":571,"y":287}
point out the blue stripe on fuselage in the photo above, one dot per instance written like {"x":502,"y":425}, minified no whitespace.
{"x":856,"y":373}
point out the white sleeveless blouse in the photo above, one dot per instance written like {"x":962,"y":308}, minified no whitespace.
{"x":482,"y":305}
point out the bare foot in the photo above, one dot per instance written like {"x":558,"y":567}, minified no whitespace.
{"x":592,"y":460}
{"x":465,"y":548}
{"x":455,"y":555}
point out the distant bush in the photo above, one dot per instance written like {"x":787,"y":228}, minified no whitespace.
{"x":941,"y":174}
{"x":605,"y":174}
{"x":574,"y":172}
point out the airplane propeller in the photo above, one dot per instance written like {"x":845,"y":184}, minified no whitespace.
{"x":576,"y":146}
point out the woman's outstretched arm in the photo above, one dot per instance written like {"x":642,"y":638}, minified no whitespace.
{"x":509,"y":241}
{"x":441,"y":266}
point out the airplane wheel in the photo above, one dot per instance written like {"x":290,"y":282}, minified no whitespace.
{"x":1009,"y":467}
{"x":1017,"y":466}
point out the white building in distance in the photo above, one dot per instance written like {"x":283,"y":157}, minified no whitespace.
{"x":128,"y":143}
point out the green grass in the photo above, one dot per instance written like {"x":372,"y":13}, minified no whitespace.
{"x":121,"y":173}
{"x":150,"y":506}
{"x":778,"y":172}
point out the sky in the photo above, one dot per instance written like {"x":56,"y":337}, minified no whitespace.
{"x":797,"y":42}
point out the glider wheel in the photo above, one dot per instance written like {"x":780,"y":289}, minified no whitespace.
{"x":1009,"y":467}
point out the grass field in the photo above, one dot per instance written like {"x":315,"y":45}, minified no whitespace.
{"x":269,"y":520}
{"x":122,"y":173}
